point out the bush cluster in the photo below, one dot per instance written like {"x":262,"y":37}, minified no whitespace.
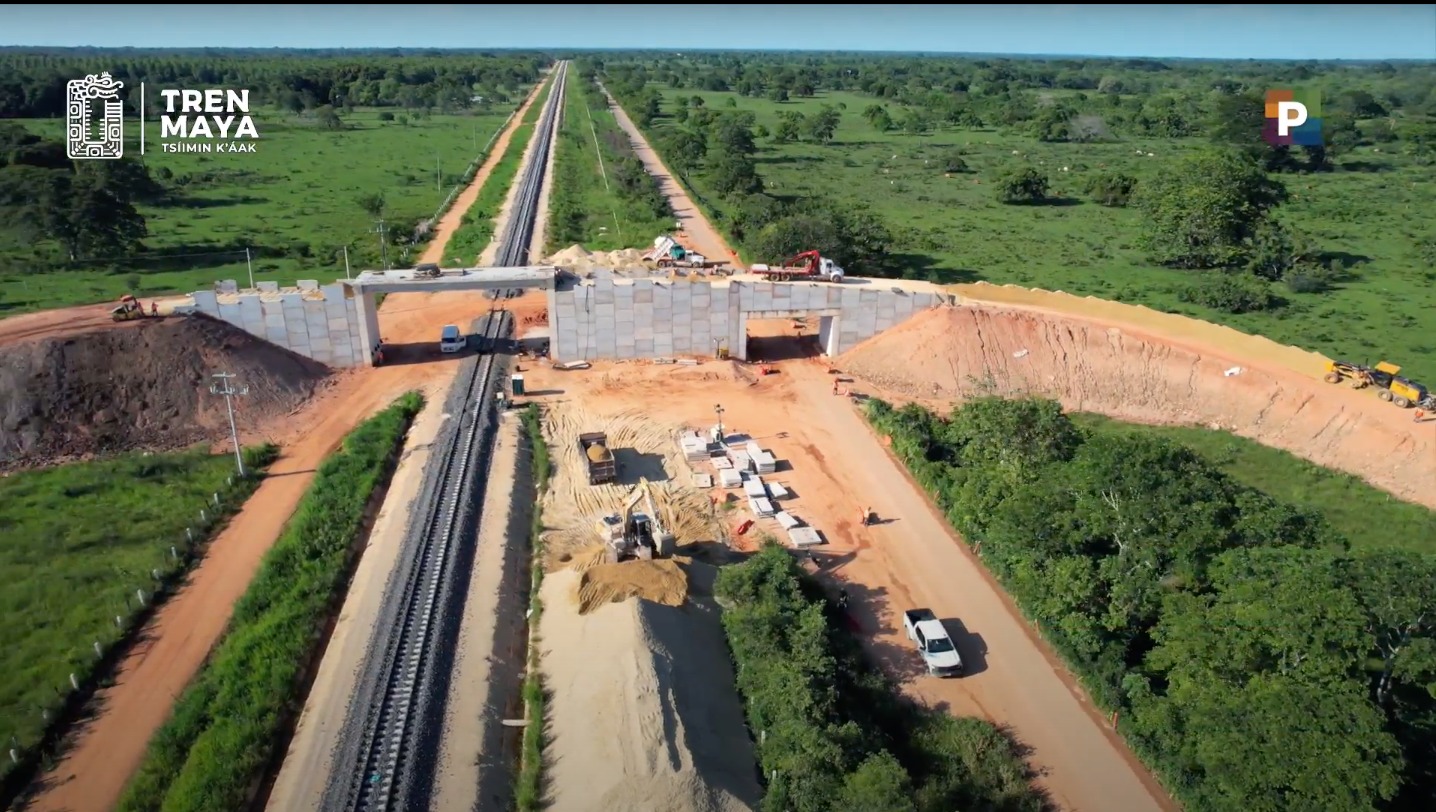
{"x":831,"y":733}
{"x":227,"y":724}
{"x":1258,"y":663}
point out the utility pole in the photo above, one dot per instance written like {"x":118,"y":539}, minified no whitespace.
{"x":346,"y":263}
{"x":225,"y":387}
{"x":718,"y":410}
{"x":439,"y":174}
{"x":383,"y":244}
{"x":248,"y":263}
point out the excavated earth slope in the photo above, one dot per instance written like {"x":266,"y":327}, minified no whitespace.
{"x":146,"y":386}
{"x":956,"y":352}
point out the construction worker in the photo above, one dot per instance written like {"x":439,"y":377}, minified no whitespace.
{"x":842,"y":599}
{"x":1420,"y":415}
{"x":835,"y":386}
{"x":154,"y":308}
{"x":867,"y":516}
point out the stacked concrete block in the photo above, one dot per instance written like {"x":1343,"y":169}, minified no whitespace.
{"x":267,"y":287}
{"x":663,"y":325}
{"x":316,"y":325}
{"x":206,"y":302}
{"x":296,"y":331}
{"x":643,"y":327}
{"x":274,"y":331}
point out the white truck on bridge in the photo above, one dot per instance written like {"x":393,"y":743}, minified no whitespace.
{"x":937,"y":649}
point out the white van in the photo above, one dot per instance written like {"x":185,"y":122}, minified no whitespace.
{"x":451,"y":340}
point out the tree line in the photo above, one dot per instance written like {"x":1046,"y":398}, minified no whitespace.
{"x":831,"y":735}
{"x":1046,"y":97}
{"x":32,"y":82}
{"x":1257,"y":661}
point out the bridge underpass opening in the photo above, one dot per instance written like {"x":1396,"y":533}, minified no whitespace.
{"x":770,"y":336}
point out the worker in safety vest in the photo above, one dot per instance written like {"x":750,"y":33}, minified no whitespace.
{"x":1420,"y":415}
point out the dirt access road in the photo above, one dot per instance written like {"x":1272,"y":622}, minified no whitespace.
{"x":911,"y":559}
{"x":697,"y":232}
{"x":105,"y":752}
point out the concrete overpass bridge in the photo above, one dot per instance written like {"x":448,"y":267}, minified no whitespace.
{"x":601,"y":315}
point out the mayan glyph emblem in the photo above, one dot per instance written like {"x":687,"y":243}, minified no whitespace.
{"x":94,"y":118}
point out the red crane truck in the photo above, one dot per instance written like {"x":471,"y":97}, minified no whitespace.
{"x":809,"y":265}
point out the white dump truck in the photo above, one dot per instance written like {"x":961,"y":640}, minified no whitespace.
{"x":930,"y":636}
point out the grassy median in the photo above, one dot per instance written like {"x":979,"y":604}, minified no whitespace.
{"x":225,"y":726}
{"x":528,"y":794}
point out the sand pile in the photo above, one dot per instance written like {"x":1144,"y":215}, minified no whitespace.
{"x":146,"y":386}
{"x":662,"y":582}
{"x":957,"y":352}
{"x":580,"y":259}
{"x":643,"y":712}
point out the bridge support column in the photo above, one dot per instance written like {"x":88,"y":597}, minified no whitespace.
{"x":368,"y":315}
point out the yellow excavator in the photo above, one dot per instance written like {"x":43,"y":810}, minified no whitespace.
{"x":633,"y":534}
{"x":1386,"y":378}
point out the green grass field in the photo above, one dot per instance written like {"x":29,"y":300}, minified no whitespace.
{"x":954,"y":230}
{"x":294,"y":202}
{"x":1368,"y":517}
{"x":79,"y":540}
{"x":590,"y":144}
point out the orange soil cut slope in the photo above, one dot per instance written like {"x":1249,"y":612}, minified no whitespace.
{"x":108,"y":749}
{"x":1137,"y":375}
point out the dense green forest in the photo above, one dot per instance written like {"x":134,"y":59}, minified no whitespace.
{"x":1259,"y":660}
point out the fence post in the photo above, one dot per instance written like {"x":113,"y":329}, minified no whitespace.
{"x":119,"y":622}
{"x":189,"y":533}
{"x":140,"y":596}
{"x":99,"y":651}
{"x":74,"y":683}
{"x":216,"y":498}
{"x":14,"y":757}
{"x":201,"y":516}
{"x":173,"y":552}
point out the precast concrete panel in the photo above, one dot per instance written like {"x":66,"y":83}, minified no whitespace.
{"x":267,"y":287}
{"x":206,"y":302}
{"x":230,"y":312}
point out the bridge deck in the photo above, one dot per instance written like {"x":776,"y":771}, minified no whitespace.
{"x":539,"y":277}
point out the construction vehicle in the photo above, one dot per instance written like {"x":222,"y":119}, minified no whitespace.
{"x":635,"y":534}
{"x":667,"y":253}
{"x":130,"y":309}
{"x":602,"y":467}
{"x":807,"y":265}
{"x":1386,"y":378}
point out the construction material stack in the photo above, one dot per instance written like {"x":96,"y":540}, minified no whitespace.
{"x":695,"y":447}
{"x":763,"y":461}
{"x":602,"y":467}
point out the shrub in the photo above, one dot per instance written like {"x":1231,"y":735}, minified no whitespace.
{"x":1022,"y":186}
{"x":226,"y":724}
{"x":1112,"y":189}
{"x":1231,"y":292}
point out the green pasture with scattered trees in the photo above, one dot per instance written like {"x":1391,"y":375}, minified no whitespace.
{"x":1260,"y":658}
{"x":344,"y":144}
{"x":1139,"y":180}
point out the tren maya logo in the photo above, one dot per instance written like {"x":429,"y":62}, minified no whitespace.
{"x":208,"y":121}
{"x":1293,"y":118}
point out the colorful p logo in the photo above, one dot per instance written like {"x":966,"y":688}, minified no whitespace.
{"x":1293,"y":118}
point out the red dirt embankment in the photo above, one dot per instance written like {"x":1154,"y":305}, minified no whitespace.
{"x":1140,"y":376}
{"x":146,"y":386}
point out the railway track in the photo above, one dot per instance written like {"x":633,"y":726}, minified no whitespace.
{"x":385,"y":759}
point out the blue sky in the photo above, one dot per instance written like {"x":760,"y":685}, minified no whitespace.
{"x":1206,"y":31}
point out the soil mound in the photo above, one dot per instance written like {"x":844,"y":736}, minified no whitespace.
{"x":578,"y":258}
{"x":142,"y":387}
{"x":662,"y":582}
{"x":958,"y":352}
{"x":644,"y":713}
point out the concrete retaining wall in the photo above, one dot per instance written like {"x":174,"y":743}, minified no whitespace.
{"x":611,"y":317}
{"x":319,"y":322}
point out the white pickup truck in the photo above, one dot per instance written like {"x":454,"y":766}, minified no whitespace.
{"x":937,"y":649}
